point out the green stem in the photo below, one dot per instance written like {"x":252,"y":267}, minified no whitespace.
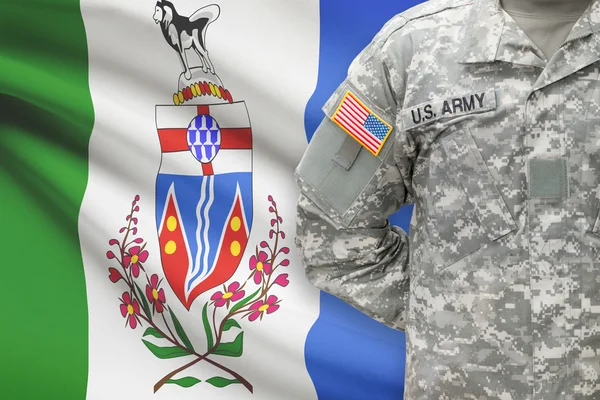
{"x":168,"y":328}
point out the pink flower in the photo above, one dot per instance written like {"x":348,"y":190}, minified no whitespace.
{"x":130,"y":310}
{"x":260,"y":307}
{"x":282,"y":280}
{"x":135,"y":259}
{"x":259,"y":265}
{"x":230,"y":294}
{"x":156,"y":295}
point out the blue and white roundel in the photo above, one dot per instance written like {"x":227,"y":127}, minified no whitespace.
{"x":204,"y":138}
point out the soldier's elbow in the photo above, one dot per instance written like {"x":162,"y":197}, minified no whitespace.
{"x":317,"y":277}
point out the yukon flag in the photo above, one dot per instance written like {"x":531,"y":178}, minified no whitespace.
{"x":148,"y":202}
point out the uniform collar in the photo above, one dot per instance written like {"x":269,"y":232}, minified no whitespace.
{"x":488,"y":34}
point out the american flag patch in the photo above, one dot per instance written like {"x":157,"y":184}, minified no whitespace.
{"x":361,"y":123}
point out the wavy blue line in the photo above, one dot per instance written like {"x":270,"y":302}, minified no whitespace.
{"x":201,"y":223}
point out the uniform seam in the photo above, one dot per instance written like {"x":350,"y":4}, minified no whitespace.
{"x":399,"y":105}
{"x":595,"y":227}
{"x":405,"y":20}
{"x":383,"y":40}
{"x":497,"y":45}
{"x":386,"y":62}
{"x":447,"y":7}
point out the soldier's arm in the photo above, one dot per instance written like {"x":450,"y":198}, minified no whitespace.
{"x":347,"y":194}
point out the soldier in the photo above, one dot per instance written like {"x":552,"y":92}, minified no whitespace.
{"x":492,"y":129}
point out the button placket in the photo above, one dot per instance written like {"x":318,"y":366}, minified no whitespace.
{"x":549,"y":261}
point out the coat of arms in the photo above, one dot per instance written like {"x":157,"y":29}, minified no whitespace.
{"x":204,"y":205}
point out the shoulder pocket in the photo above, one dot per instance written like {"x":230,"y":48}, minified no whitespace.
{"x":337,"y":187}
{"x":465,"y":210}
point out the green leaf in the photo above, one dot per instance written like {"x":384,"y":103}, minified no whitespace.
{"x":244,"y":301}
{"x":188,"y":381}
{"x":220,"y":381}
{"x":153,"y":332}
{"x":230,"y":323}
{"x":180,"y":331}
{"x":144,"y":302}
{"x":231,"y":349}
{"x":165,"y":352}
{"x":207,"y":328}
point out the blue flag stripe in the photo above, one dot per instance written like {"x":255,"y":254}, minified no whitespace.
{"x":348,"y":355}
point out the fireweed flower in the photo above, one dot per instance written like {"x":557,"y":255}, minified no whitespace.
{"x":129,"y":310}
{"x":228,"y":295}
{"x":260,"y":307}
{"x":156,"y":295}
{"x":135,"y":258}
{"x":259,"y":265}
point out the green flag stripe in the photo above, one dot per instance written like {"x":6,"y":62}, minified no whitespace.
{"x":46,"y":119}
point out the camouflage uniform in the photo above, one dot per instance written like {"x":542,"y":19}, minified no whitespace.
{"x":498,"y":285}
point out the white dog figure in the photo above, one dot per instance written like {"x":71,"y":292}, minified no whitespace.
{"x":183,"y":33}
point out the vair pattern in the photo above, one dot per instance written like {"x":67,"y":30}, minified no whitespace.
{"x":204,"y":138}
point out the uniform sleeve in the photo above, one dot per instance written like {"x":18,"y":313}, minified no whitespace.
{"x":347,"y":193}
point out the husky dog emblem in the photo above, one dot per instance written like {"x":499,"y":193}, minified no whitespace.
{"x":183,"y":33}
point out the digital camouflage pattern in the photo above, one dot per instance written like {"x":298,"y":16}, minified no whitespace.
{"x":498,"y":147}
